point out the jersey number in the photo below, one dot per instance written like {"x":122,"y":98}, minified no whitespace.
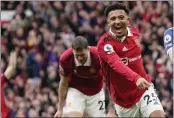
{"x":101,"y":104}
{"x":150,"y":98}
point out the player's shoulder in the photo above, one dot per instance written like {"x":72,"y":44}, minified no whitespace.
{"x":67,"y":55}
{"x":168,"y":31}
{"x":104,"y":37}
{"x":93,"y":50}
{"x":134,"y":30}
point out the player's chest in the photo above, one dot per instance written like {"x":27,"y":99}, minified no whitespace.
{"x":86,"y":70}
{"x":129,"y":47}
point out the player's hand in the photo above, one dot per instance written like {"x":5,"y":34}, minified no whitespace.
{"x":11,"y":65}
{"x":142,"y":83}
{"x":58,"y":113}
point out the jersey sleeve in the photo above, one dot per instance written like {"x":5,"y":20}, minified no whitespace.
{"x":108,"y":55}
{"x":63,"y":68}
{"x":168,"y":40}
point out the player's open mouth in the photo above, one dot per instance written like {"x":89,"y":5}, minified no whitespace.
{"x":118,"y":29}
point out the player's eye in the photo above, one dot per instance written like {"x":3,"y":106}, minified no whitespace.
{"x":121,"y":17}
{"x":112,"y":18}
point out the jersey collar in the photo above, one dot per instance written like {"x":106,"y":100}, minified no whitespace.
{"x":87,"y":63}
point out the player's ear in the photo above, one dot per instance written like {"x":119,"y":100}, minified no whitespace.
{"x":128,"y":19}
{"x":109,"y":24}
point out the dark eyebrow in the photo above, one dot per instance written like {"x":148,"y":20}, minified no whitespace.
{"x":117,"y":16}
{"x":121,"y":15}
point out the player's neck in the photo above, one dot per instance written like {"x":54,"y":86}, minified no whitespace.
{"x":123,"y":36}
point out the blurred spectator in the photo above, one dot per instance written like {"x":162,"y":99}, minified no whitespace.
{"x":42,"y":31}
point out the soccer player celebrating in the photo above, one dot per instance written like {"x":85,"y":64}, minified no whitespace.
{"x":5,"y":111}
{"x":168,"y":42}
{"x":120,"y":57}
{"x":81,"y":81}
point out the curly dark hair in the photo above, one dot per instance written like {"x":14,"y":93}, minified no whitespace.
{"x":116,"y":6}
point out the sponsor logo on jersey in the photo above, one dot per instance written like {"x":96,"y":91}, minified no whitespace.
{"x":126,"y":60}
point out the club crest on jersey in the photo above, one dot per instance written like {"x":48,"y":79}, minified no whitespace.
{"x":137,"y":42}
{"x":92,"y":70}
{"x":108,"y":48}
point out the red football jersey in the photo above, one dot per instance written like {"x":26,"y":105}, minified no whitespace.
{"x":4,"y":109}
{"x":88,"y":78}
{"x":122,"y":65}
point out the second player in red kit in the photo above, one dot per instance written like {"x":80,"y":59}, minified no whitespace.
{"x":81,"y":80}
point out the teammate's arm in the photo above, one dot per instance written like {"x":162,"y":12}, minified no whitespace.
{"x":62,"y":91}
{"x":9,"y":72}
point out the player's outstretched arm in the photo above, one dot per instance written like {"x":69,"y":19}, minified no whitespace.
{"x":107,"y":53}
{"x":62,"y":91}
{"x":9,"y":72}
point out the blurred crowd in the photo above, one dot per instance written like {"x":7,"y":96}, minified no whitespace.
{"x":41,"y":31}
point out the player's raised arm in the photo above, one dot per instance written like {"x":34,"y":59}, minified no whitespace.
{"x":107,"y":54}
{"x":168,"y":42}
{"x":9,"y":72}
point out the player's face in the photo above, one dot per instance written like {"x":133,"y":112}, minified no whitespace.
{"x":118,"y":21}
{"x":81,"y":55}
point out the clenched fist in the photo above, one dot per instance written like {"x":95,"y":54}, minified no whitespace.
{"x":143,"y":83}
